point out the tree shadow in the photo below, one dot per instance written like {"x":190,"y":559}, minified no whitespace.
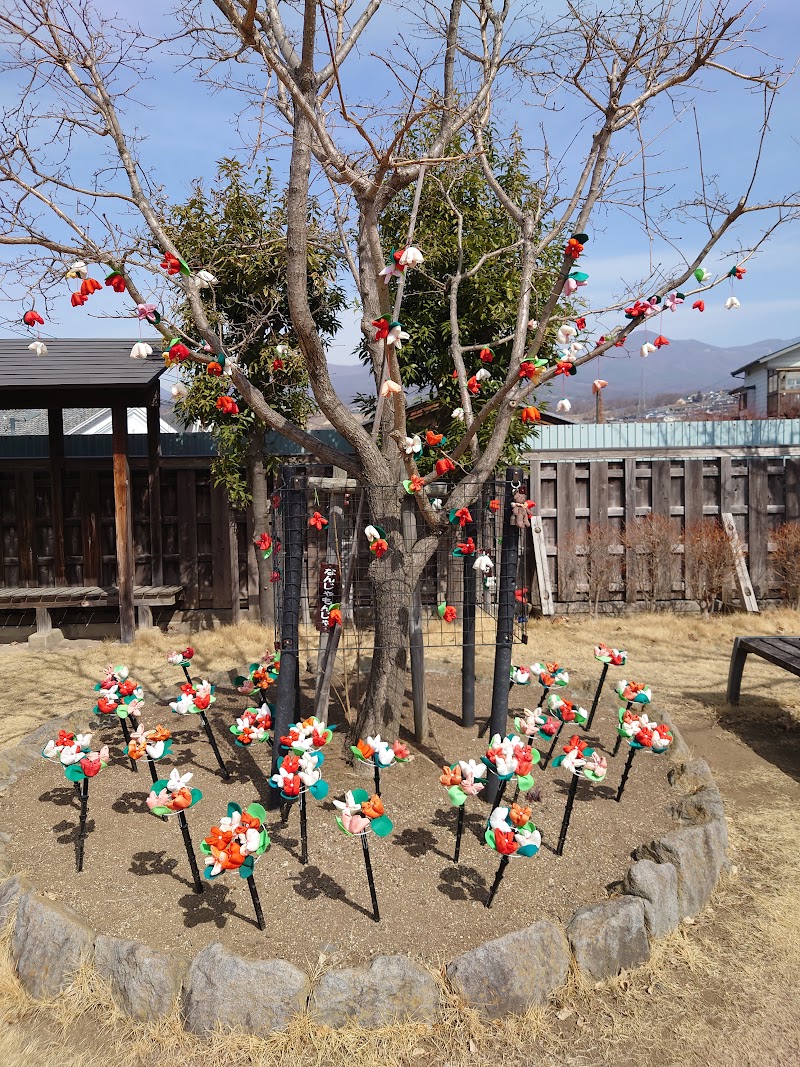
{"x":147,"y":863}
{"x":418,"y":843}
{"x":311,"y":883}
{"x":213,"y":906}
{"x":133,"y":802}
{"x":67,"y":832}
{"x":462,"y":883}
{"x":766,"y":727}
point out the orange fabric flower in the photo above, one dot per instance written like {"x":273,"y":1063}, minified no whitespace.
{"x":519,"y":815}
{"x":449,"y":613}
{"x":317,"y":521}
{"x":444,"y":465}
{"x":214,"y":369}
{"x":450,"y":776}
{"x":372,"y":808}
{"x":334,"y":618}
{"x":531,"y":414}
{"x":486,"y":355}
{"x":227,"y":405}
{"x":432,"y":439}
{"x":367,"y":751}
{"x":494,"y":505}
{"x":89,"y":286}
{"x":573,"y":249}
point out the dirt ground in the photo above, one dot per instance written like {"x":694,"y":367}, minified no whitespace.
{"x":722,"y":990}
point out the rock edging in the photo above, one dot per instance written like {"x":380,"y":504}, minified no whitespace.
{"x":671,"y":879}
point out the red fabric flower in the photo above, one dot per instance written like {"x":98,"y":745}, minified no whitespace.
{"x":227,"y":405}
{"x":381,"y":329}
{"x":573,"y":249}
{"x":505,"y":842}
{"x":467,"y":547}
{"x":89,"y":286}
{"x":444,"y":465}
{"x":117,"y":282}
{"x":463,"y":516}
{"x":644,"y":737}
{"x":660,"y":341}
{"x":171,"y":265}
{"x":214,"y":369}
{"x":530,"y":414}
{"x":32,"y":318}
{"x":527,"y":370}
{"x":277,"y":364}
{"x":581,"y":323}
{"x":486,"y":355}
{"x":563,"y":366}
{"x":494,"y":505}
{"x":567,"y":711}
{"x":380,"y":547}
{"x":202,"y":701}
{"x":473,"y":385}
{"x":126,"y":687}
{"x":263,"y":542}
{"x":698,"y":305}
{"x":77,"y":299}
{"x":275,"y":576}
{"x":576,"y":744}
{"x":90,"y":767}
{"x":188,"y":689}
{"x":317,"y":521}
{"x":179,"y":352}
{"x":188,"y":652}
{"x":738,"y":273}
{"x":521,"y":595}
{"x":449,"y":613}
{"x":106,"y":706}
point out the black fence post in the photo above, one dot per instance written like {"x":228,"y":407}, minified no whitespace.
{"x":505,"y":617}
{"x":294,"y":512}
{"x":468,"y":632}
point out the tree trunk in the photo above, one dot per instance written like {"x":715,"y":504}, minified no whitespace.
{"x":256,"y":476}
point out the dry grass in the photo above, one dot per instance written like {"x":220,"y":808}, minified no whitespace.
{"x":722,"y":990}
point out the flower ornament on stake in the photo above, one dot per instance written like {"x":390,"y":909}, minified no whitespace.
{"x":510,"y":832}
{"x":172,"y":796}
{"x":566,"y":713}
{"x":380,"y":755}
{"x":260,"y":677}
{"x":182,"y":659}
{"x":154,"y":745}
{"x":253,"y":726}
{"x":550,"y":676}
{"x":235,"y":845}
{"x":74,"y":753}
{"x":631,"y":693}
{"x":119,"y":695}
{"x":583,"y":762}
{"x":359,"y":816}
{"x":609,"y":657}
{"x":467,"y":778}
{"x":296,"y":776}
{"x":196,"y":700}
{"x":511,"y":757}
{"x":641,"y":732}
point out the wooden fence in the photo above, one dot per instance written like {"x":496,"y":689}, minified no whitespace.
{"x":760,"y":492}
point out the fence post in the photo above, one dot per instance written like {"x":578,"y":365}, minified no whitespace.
{"x":416,"y":641}
{"x":294,"y":511}
{"x":468,"y":632}
{"x":505,"y":615}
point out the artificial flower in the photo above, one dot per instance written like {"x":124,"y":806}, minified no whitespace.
{"x":39,"y":347}
{"x":141,"y":350}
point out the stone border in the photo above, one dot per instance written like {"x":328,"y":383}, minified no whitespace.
{"x":671,"y":879}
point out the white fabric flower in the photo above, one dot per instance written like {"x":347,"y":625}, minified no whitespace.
{"x":498,"y":820}
{"x":78,"y":270}
{"x":646,"y":349}
{"x":483,"y":375}
{"x":205,"y":279}
{"x":563,"y":405}
{"x":141,"y":350}
{"x":38,"y":347}
{"x":396,"y":336}
{"x":411,"y":257}
{"x":412,"y":445}
{"x":458,"y":414}
{"x":177,"y":780}
{"x":179,"y":391}
{"x":732,"y":303}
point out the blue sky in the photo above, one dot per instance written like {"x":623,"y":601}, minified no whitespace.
{"x":189,"y":128}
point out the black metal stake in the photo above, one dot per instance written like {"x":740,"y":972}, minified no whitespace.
{"x":82,"y":825}
{"x":303,"y":830}
{"x":188,"y":676}
{"x":459,"y":831}
{"x":126,"y":733}
{"x":501,"y":793}
{"x":549,"y":754}
{"x":213,"y":742}
{"x":377,"y":778}
{"x":505,"y":613}
{"x":376,"y":915}
{"x":541,"y":698}
{"x":616,"y":746}
{"x":198,"y":885}
{"x":468,"y":633}
{"x":562,"y":837}
{"x":598,"y":691}
{"x":626,"y":770}
{"x":251,"y":885}
{"x":153,"y":771}
{"x":498,"y":878}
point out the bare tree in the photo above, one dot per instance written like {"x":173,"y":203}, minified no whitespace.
{"x":651,"y":541}
{"x":598,"y":561}
{"x":449,"y":65}
{"x":786,"y":560}
{"x":710,"y":564}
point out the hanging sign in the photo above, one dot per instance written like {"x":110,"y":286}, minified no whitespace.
{"x":330,"y":593}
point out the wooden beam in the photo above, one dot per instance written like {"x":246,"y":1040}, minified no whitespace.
{"x":220,"y":548}
{"x":757,"y":524}
{"x":742,"y":577}
{"x":55,"y":434}
{"x":630,"y":519}
{"x":792,"y":490}
{"x":24,"y":524}
{"x":565,"y":506}
{"x":123,"y":520}
{"x":692,"y":512}
{"x":598,"y":492}
{"x":542,"y":566}
{"x":154,"y":489}
{"x":187,"y":537}
{"x":233,"y":552}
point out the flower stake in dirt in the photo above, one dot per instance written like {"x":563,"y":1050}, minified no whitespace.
{"x":566,"y":713}
{"x":154,"y":745}
{"x":640,"y":731}
{"x":235,"y":845}
{"x":80,"y":763}
{"x":119,"y":695}
{"x":196,"y":700}
{"x":380,"y":755}
{"x":510,"y":832}
{"x":582,"y":762}
{"x":297,"y":775}
{"x":609,"y":657}
{"x":463,"y":779}
{"x":253,"y":726}
{"x":360,"y":815}
{"x":631,"y":693}
{"x":550,"y":676}
{"x":259,"y":677}
{"x":510,"y":757}
{"x":182,"y":659}
{"x":172,"y":796}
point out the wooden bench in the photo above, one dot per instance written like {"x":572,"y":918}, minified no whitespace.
{"x":43,"y":598}
{"x":782,"y":651}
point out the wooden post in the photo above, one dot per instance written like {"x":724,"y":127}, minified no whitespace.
{"x":468,"y":636}
{"x":124,"y":522}
{"x":154,"y":488}
{"x":565,"y":504}
{"x":55,"y":433}
{"x":542,"y":567}
{"x":758,"y":524}
{"x":631,"y":590}
{"x":742,"y":576}
{"x":233,"y":552}
{"x":416,"y":641}
{"x":333,"y":533}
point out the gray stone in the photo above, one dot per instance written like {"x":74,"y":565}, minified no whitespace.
{"x":257,"y":996}
{"x":10,"y":891}
{"x":49,"y":944}
{"x":610,"y":937}
{"x":391,"y":988}
{"x":678,"y":750}
{"x":693,"y":774}
{"x":6,"y":863}
{"x":698,"y":855}
{"x":512,"y":972}
{"x":702,"y":806}
{"x":657,"y":885}
{"x":145,"y":982}
{"x":46,"y":640}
